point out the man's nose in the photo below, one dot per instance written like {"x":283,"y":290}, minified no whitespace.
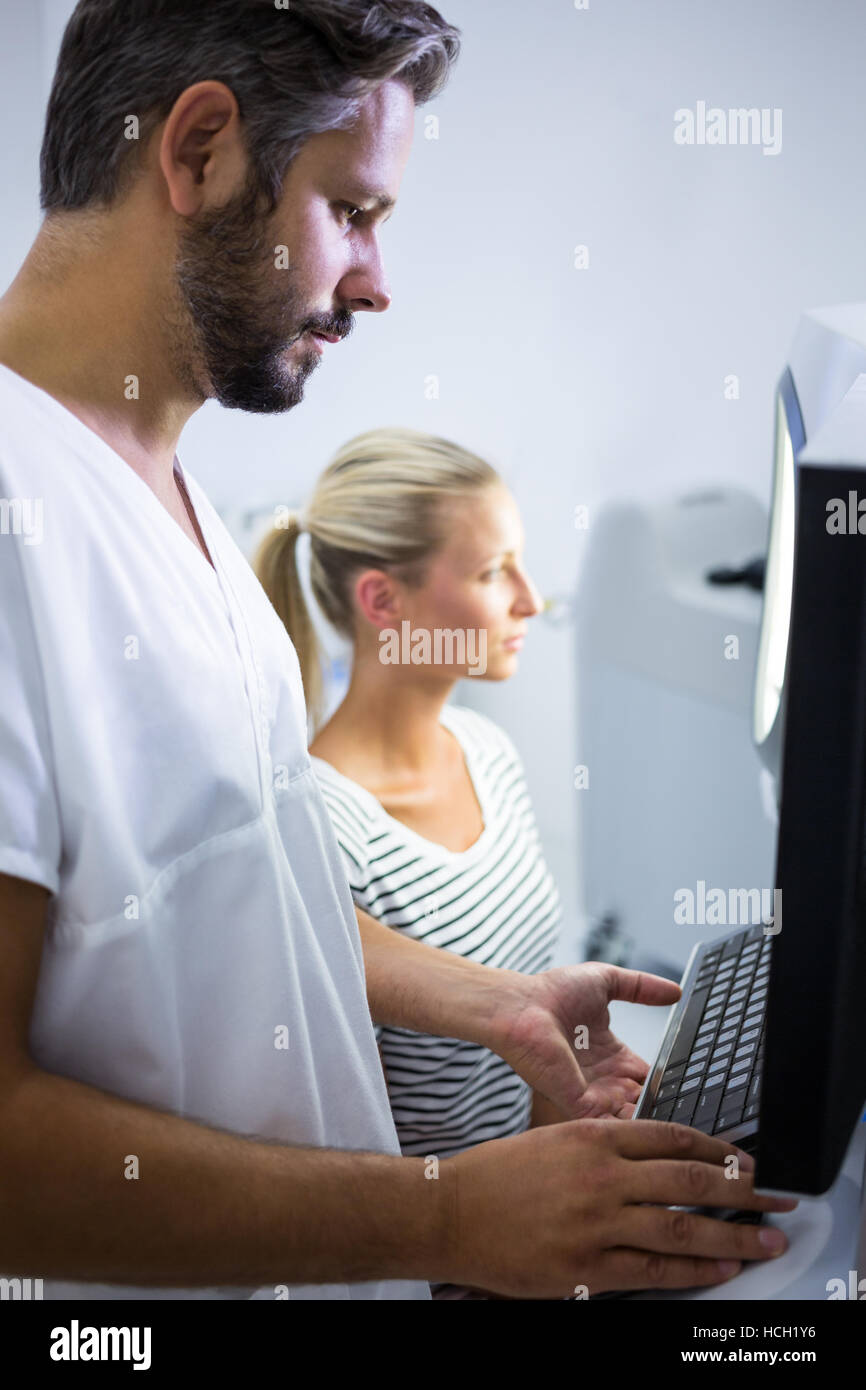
{"x":373,"y":301}
{"x":365,"y":289}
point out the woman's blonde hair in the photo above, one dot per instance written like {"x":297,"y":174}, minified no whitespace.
{"x":378,"y":505}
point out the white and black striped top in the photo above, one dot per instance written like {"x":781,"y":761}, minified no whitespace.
{"x":495,"y":903}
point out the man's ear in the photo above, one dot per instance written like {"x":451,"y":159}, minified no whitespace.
{"x":201,"y":148}
{"x":379,"y":598}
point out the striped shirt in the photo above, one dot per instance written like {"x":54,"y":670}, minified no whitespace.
{"x":495,"y":903}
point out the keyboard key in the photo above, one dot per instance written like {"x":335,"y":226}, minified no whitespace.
{"x":738,"y":1076}
{"x":667,"y":1092}
{"x":747,"y":1037}
{"x":734,"y":1096}
{"x":684,"y":1109}
{"x":754,"y":1090}
{"x":700,"y":1054}
{"x":689,"y":1021}
{"x":715,"y":1078}
{"x":729,"y":1034}
{"x":751,"y":1111}
{"x":662,"y":1112}
{"x":708,"y":1106}
{"x":694,"y":1070}
{"x":689,"y":1085}
{"x":730,"y":1111}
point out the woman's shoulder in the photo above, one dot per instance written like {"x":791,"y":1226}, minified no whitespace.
{"x":343,"y":792}
{"x":480,"y":731}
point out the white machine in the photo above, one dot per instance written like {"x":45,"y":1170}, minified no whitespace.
{"x":666,"y":665}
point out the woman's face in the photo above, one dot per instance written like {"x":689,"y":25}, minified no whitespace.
{"x":475,"y":588}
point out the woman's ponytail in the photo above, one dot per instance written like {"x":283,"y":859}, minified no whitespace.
{"x":276,"y":566}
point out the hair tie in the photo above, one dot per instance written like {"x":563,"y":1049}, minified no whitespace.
{"x":302,"y":553}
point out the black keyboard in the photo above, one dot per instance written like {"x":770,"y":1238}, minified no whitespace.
{"x":711,"y":1076}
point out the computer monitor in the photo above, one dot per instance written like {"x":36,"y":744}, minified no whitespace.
{"x":810,"y":729}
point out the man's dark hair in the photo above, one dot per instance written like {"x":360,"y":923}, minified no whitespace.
{"x":294,"y":72}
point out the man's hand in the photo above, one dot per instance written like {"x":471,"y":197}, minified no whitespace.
{"x":553,"y":1029}
{"x":584,"y":1208}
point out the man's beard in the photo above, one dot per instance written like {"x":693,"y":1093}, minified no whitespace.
{"x":241,"y":311}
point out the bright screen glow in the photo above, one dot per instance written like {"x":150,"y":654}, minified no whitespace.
{"x":778,"y":585}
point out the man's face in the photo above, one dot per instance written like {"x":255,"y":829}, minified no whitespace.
{"x":246,"y":321}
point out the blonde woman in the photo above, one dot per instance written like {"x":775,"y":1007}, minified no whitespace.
{"x":410,"y":537}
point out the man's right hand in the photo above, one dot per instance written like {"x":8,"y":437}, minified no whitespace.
{"x":584,"y":1206}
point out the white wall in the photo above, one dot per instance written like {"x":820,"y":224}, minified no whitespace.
{"x":557,"y":129}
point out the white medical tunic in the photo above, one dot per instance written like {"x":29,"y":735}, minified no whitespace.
{"x":154,"y":776}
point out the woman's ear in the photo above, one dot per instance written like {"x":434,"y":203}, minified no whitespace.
{"x":378,"y":598}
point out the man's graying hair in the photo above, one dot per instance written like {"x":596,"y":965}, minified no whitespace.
{"x":295,"y":72}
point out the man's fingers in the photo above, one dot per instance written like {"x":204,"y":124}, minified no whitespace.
{"x":663,"y":1139}
{"x":685,"y":1233}
{"x":616,"y":1097}
{"x":693,"y":1183}
{"x":640,"y":1269}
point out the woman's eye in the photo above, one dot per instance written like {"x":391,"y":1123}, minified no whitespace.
{"x":350,"y":211}
{"x":490,"y":574}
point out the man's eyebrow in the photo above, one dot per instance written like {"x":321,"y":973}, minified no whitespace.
{"x":372,"y":195}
